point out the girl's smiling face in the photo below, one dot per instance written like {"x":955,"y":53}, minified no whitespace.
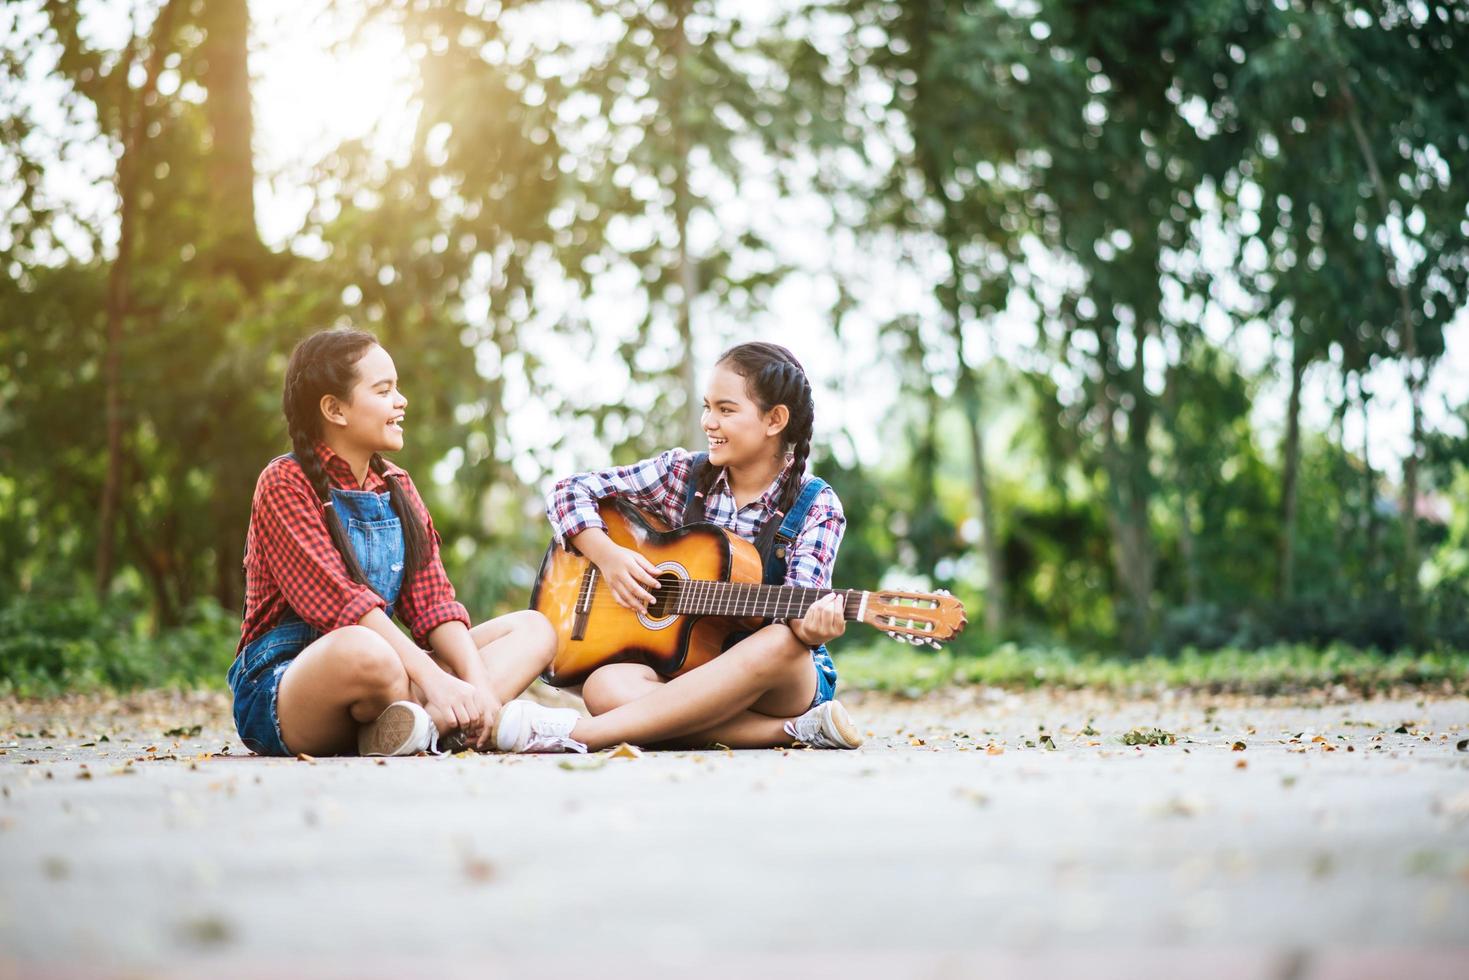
{"x":372,"y":416}
{"x":739,"y":432}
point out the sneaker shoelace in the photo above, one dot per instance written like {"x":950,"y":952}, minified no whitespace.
{"x":807,"y":730}
{"x":552,"y":734}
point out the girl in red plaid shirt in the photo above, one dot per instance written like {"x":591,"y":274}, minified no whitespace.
{"x":774,"y":687}
{"x":339,"y":541}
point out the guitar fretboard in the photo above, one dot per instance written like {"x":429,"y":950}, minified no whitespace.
{"x":704,"y":598}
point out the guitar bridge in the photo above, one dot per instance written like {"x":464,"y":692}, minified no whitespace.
{"x":584,"y":602}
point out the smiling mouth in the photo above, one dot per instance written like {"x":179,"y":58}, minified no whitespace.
{"x":717,"y":442}
{"x":396,"y":423}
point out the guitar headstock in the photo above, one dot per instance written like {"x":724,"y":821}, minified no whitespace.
{"x":918,"y":617}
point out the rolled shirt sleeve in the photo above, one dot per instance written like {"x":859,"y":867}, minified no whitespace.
{"x":813,"y":554}
{"x":427,"y":600}
{"x":657,"y":484}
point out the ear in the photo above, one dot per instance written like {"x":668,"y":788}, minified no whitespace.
{"x":331,"y":410}
{"x":776,"y":420}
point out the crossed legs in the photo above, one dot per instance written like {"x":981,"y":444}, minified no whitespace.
{"x":742,"y":698}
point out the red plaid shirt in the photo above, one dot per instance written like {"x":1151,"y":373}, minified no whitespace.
{"x":291,"y":564}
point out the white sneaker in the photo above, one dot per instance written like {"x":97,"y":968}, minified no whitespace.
{"x":524,"y":726}
{"x":403,"y":728}
{"x":826,"y":726}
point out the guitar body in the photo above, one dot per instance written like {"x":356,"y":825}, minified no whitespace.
{"x":592,"y":630}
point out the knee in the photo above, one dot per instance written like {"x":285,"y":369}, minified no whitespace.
{"x":776,"y":648}
{"x":540,"y":634}
{"x":613,"y":686}
{"x":367,"y":659}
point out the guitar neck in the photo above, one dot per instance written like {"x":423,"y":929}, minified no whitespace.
{"x":704,"y":598}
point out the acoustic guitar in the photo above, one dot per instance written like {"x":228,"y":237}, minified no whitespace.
{"x":709,"y":587}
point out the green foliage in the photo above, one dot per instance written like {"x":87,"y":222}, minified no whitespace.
{"x":51,"y":646}
{"x":1142,"y":184}
{"x":1275,"y":669}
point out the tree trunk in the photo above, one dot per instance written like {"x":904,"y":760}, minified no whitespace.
{"x":117,"y":306}
{"x":996,"y":603}
{"x":134,"y":113}
{"x":1285,"y":585}
{"x":226,"y":78}
{"x":687,"y":267}
{"x":1369,"y":487}
{"x":1127,"y":498}
{"x":235,"y":249}
{"x":1187,"y":547}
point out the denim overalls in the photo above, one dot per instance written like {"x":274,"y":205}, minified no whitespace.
{"x":376,"y":535}
{"x":774,"y":567}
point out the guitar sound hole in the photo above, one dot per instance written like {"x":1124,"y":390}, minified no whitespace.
{"x":664,"y":595}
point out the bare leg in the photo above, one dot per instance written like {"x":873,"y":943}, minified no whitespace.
{"x":770,"y":672}
{"x":516,"y":648}
{"x":618,"y":684}
{"x":337,"y":684}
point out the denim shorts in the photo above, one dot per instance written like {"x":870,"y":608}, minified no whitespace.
{"x":255,"y":681}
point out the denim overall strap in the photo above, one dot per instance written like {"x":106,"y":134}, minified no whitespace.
{"x":376,"y":534}
{"x":775,"y":561}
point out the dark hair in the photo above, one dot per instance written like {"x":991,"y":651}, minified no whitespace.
{"x":325,"y":363}
{"x":774,"y":377}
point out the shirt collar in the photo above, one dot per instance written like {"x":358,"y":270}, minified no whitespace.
{"x":766,"y":499}
{"x":339,"y":471}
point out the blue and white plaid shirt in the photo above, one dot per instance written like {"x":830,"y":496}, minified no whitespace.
{"x":660,"y":485}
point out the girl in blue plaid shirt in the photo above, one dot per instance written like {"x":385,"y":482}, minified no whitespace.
{"x":775,"y":686}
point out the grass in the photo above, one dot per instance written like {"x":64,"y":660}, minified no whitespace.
{"x":1270,"y":670}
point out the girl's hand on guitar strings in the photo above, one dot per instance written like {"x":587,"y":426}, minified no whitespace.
{"x":631,"y":577}
{"x":823,"y":622}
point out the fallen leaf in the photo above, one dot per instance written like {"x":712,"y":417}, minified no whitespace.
{"x":477,"y":869}
{"x":303,"y":757}
{"x":208,"y":930}
{"x":596,"y":762}
{"x":1241,"y":764}
{"x":626,"y":751}
{"x":182,"y":732}
{"x":1462,"y":745}
{"x":1149,"y":736}
{"x":995,"y":750}
{"x":1237,"y":747}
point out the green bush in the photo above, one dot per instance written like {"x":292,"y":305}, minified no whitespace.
{"x":1270,"y":670}
{"x":48,"y":646}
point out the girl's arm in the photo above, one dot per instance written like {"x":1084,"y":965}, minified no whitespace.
{"x":656,"y":484}
{"x":809,"y":563}
{"x":427,"y":600}
{"x":428,"y":608}
{"x":450,"y":702}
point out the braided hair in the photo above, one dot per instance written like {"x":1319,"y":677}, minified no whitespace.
{"x":774,"y":377}
{"x":325,"y":363}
